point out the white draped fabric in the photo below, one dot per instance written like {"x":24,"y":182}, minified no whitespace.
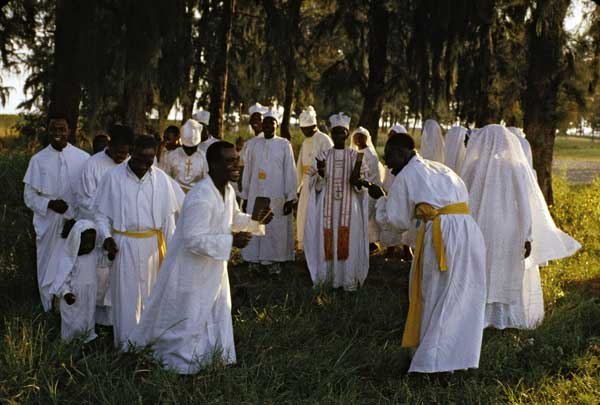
{"x":51,"y":175}
{"x":455,"y":148}
{"x":510,"y":210}
{"x":524,"y":144}
{"x":187,"y":320}
{"x":351,"y":272}
{"x":453,"y":301}
{"x":270,"y":171}
{"x":186,"y":170}
{"x":311,"y":147}
{"x":204,"y":145}
{"x":126,"y":203}
{"x":432,"y":142}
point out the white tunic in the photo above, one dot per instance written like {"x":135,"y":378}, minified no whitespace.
{"x":51,"y":175}
{"x":270,"y":171}
{"x":432,"y":142}
{"x":311,"y":147}
{"x":455,"y":148}
{"x":129,"y":204}
{"x":186,"y":170}
{"x":376,"y":174}
{"x":453,"y":301}
{"x":352,"y":272}
{"x":204,"y":145}
{"x":188,"y":316}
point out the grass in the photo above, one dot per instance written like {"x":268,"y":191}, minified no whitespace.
{"x":7,"y":123}
{"x":576,"y":148}
{"x":297,"y":345}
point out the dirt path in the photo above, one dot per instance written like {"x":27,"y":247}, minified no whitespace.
{"x":578,"y":171}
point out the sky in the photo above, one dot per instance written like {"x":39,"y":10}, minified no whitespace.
{"x":573,"y":22}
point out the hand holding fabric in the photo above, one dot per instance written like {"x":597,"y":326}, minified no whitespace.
{"x":375,"y":191}
{"x":320,"y":167}
{"x":111,"y":247}
{"x":241,"y":239}
{"x":288,"y":207}
{"x":59,"y":206}
{"x":69,"y":298}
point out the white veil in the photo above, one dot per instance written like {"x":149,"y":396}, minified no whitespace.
{"x":432,"y":142}
{"x":455,"y":148}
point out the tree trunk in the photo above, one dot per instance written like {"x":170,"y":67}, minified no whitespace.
{"x":288,"y":102}
{"x":546,"y":40}
{"x":375,"y":93}
{"x":219,"y":83}
{"x":65,"y":95}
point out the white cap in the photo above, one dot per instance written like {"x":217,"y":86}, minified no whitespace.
{"x":191,"y":133}
{"x":399,"y":129}
{"x":362,"y":130}
{"x":202,"y":116}
{"x":273,"y":114}
{"x":308,"y":118}
{"x":257,"y":108}
{"x":339,"y":120}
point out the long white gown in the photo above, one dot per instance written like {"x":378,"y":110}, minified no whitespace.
{"x":126,"y":203}
{"x":270,"y":171}
{"x":455,"y":149}
{"x":186,"y":170}
{"x":51,"y":175}
{"x":432,"y":142}
{"x":187,"y":320}
{"x":349,"y":273}
{"x":376,"y":173}
{"x":311,"y":147}
{"x":453,"y":303}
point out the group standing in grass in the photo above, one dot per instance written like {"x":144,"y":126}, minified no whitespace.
{"x":138,"y":236}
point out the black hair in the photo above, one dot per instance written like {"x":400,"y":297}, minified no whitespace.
{"x":403,"y":141}
{"x":171,"y":129}
{"x":215,"y":151}
{"x":55,"y":115}
{"x":121,"y":135}
{"x":144,"y":142}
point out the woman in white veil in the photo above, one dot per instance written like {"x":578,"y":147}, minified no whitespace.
{"x":432,"y":142}
{"x":455,"y":148}
{"x":518,"y":229}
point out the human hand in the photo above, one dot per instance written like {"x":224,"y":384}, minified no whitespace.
{"x":111,"y":247}
{"x":68,"y":225}
{"x":59,"y":206}
{"x":241,"y":239}
{"x":320,"y":167}
{"x":243,"y":204}
{"x":265,"y":215}
{"x":375,"y":191}
{"x":288,"y":207}
{"x":527,"y":249}
{"x":69,"y":298}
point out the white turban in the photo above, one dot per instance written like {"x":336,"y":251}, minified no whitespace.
{"x":273,"y":114}
{"x":399,"y":129}
{"x":202,"y":117}
{"x":191,"y":133}
{"x":257,"y":108}
{"x":340,"y":120}
{"x":308,"y":118}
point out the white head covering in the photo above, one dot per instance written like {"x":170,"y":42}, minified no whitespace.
{"x":399,"y":129}
{"x":509,"y":207}
{"x":308,"y":118}
{"x":364,"y":131}
{"x":376,"y":169}
{"x":455,"y":149}
{"x":524,"y":144}
{"x":432,"y":142}
{"x":257,"y":108}
{"x":339,"y":120}
{"x":191,"y":133}
{"x":202,"y":117}
{"x":272,"y":113}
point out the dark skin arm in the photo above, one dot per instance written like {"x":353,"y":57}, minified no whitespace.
{"x":527,"y":249}
{"x":70,"y":298}
{"x":321,"y":167}
{"x":288,"y":207}
{"x":375,"y":191}
{"x":241,"y":239}
{"x":58,"y":206}
{"x":111,"y":247}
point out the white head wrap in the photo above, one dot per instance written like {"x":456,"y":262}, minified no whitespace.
{"x":272,"y":113}
{"x":308,"y":118}
{"x":339,"y":120}
{"x":202,"y":117}
{"x":191,"y":133}
{"x":455,"y":148}
{"x":432,"y":143}
{"x":399,"y":129}
{"x":257,"y":108}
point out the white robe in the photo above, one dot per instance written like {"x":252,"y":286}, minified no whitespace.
{"x":51,"y":175}
{"x":270,"y":171}
{"x":186,"y":170}
{"x":204,"y":145}
{"x":432,"y":142}
{"x":188,"y":316}
{"x":311,"y":147}
{"x":376,"y":174}
{"x":129,"y":204}
{"x":349,"y":273}
{"x":453,"y":301}
{"x":455,"y":148}
{"x":93,"y":172}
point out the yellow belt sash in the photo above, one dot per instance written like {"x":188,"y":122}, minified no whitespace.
{"x":426,"y":212}
{"x":162,"y":247}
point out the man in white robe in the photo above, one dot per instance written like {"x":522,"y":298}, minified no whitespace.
{"x":117,"y":151}
{"x":187,"y":165}
{"x":336,"y":240}
{"x":256,"y":112}
{"x":171,"y":141}
{"x":270,"y":172}
{"x":315,"y":143}
{"x":447,"y":287}
{"x":50,"y":185}
{"x":432,"y":142}
{"x":203,"y":117}
{"x":188,"y":317}
{"x":510,"y":209}
{"x":136,"y":205}
{"x":455,"y":148}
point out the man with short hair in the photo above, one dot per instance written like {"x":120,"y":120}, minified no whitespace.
{"x":50,"y":185}
{"x":188,"y":317}
{"x":171,"y":141}
{"x":135,"y":209}
{"x":100,"y":142}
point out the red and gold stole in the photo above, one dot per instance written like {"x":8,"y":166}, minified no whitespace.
{"x":338,"y":188}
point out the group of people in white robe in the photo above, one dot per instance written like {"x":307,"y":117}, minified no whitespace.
{"x":139,"y":238}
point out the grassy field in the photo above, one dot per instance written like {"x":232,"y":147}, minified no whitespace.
{"x":572,"y":148}
{"x":297,"y":345}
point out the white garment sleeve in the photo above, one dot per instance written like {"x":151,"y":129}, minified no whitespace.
{"x":35,"y":201}
{"x":198,"y":237}
{"x":244,"y":222}
{"x":291,"y":179}
{"x":86,"y":190}
{"x":299,"y":171}
{"x":246,"y":155}
{"x":396,"y":210}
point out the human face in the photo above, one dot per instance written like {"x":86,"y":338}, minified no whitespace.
{"x":100,"y":143}
{"x":118,"y":153}
{"x":396,"y":158}
{"x":58,"y":133}
{"x":88,"y":242}
{"x":256,"y":122}
{"x":360,"y":140}
{"x":268,"y":126}
{"x":309,"y":131}
{"x":339,"y":136}
{"x":231,"y":164}
{"x":205,"y":134}
{"x":171,"y":140}
{"x":141,"y":161}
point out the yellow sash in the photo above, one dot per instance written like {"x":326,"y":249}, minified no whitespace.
{"x":162,"y":247}
{"x":426,"y":213}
